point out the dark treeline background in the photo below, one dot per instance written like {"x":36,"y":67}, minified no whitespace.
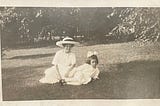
{"x":40,"y":26}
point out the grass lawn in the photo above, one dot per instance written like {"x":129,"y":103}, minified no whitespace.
{"x":127,"y":71}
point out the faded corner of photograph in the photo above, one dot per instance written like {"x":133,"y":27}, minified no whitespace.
{"x":58,"y":53}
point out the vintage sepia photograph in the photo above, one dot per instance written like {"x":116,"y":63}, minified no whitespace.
{"x":69,"y":53}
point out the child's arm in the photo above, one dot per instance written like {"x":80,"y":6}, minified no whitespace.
{"x":95,"y":74}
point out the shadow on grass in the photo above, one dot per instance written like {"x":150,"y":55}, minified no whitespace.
{"x":133,"y":80}
{"x":32,"y":56}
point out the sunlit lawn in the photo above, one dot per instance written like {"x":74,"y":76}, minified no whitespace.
{"x":128,"y":70}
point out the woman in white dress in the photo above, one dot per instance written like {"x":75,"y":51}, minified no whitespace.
{"x":63,"y":62}
{"x":86,"y":72}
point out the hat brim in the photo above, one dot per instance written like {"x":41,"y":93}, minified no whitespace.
{"x":61,"y":43}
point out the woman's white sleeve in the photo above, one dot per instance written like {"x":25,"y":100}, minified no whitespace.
{"x":73,"y":59}
{"x":55,"y":59}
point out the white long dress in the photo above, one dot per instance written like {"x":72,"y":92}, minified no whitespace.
{"x":64,"y":62}
{"x":83,"y":75}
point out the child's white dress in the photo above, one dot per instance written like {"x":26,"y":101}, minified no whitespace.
{"x":83,"y":75}
{"x":64,"y":62}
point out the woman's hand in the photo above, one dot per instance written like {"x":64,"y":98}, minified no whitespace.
{"x":62,"y":82}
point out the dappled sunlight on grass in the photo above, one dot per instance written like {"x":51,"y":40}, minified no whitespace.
{"x":108,"y":54}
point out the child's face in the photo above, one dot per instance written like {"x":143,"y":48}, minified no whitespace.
{"x":93,"y":63}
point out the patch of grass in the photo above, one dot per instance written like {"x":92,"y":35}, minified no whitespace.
{"x":139,"y":79}
{"x":33,"y":56}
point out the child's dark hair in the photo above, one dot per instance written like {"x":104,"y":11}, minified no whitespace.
{"x":88,"y":61}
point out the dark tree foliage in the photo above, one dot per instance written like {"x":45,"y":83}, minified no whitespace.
{"x":21,"y":26}
{"x":141,"y":24}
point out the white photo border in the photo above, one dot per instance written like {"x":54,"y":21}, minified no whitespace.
{"x":79,"y":3}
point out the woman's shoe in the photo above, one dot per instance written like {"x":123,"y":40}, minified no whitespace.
{"x":62,"y":82}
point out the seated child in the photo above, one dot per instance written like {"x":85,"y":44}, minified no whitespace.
{"x":86,"y":72}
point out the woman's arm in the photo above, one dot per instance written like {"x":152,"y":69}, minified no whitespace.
{"x":72,"y":64}
{"x":57,"y":69}
{"x":69,"y":70}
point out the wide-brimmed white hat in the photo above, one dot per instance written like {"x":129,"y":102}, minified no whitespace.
{"x":66,"y":40}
